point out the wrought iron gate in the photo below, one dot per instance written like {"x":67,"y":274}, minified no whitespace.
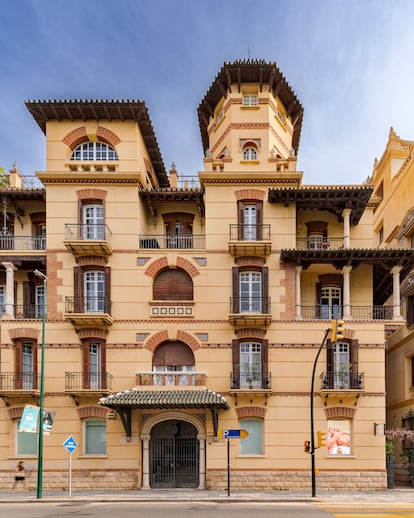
{"x":174,"y":455}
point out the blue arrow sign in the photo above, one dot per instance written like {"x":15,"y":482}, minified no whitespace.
{"x":70,"y":444}
{"x":235,"y":434}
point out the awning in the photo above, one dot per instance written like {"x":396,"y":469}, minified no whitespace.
{"x":124,"y":402}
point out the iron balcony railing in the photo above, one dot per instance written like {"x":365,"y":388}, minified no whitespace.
{"x":342,"y":380}
{"x":87,"y":232}
{"x":19,"y":381}
{"x":171,"y":378}
{"x":188,"y":182}
{"x":22,"y":311}
{"x":324,"y":312}
{"x":178,"y":241}
{"x":22,"y":243}
{"x":312,"y":243}
{"x":248,"y":380}
{"x":250,"y":305}
{"x":88,"y":381}
{"x":249,"y":232}
{"x":88,"y":305}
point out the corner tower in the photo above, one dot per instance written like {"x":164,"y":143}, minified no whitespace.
{"x":250,"y":119}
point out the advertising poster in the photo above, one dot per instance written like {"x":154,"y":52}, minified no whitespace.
{"x":339,"y":437}
{"x":28,"y":422}
{"x":48,"y":420}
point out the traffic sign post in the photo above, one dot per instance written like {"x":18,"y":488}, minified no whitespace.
{"x":230,"y":434}
{"x":70,"y":444}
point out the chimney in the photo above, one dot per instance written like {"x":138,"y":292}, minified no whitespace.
{"x":173,"y":176}
{"x":16,"y":180}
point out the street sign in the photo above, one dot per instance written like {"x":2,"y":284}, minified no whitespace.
{"x":232,"y":434}
{"x":70,"y":444}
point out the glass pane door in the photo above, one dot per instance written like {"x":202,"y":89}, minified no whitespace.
{"x":27,"y":366}
{"x":341,"y":365}
{"x":250,"y":365}
{"x":250,"y":292}
{"x":94,"y":365}
{"x":93,"y":222}
{"x":249,"y":218}
{"x":94,"y":292}
{"x":331,"y":303}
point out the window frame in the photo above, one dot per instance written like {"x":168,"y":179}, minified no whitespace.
{"x":264,"y":297}
{"x":250,"y":154}
{"x":24,"y":435}
{"x":248,"y":441}
{"x":241,"y":208}
{"x":87,"y":439}
{"x":236,"y":349}
{"x":91,"y":151}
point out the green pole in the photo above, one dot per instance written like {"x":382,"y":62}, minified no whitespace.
{"x":42,"y":392}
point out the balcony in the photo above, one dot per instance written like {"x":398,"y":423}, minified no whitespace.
{"x":90,"y":382}
{"x":14,"y":383}
{"x":250,"y":383}
{"x":88,"y":311}
{"x":324,"y":312}
{"x":87,"y":240}
{"x":342,"y":384}
{"x":250,"y":240}
{"x":22,"y":243}
{"x":171,"y":378}
{"x":250,"y":311}
{"x":173,"y":241}
{"x":319,"y":243}
{"x":22,"y":311}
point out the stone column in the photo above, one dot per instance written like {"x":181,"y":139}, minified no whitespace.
{"x":202,"y":462}
{"x":395,"y":272}
{"x":297,"y":295}
{"x":346,"y":272}
{"x":145,"y":462}
{"x":9,"y":302}
{"x":346,"y":214}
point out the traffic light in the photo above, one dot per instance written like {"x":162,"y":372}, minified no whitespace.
{"x":337,"y":331}
{"x":306,"y":446}
{"x":321,"y":439}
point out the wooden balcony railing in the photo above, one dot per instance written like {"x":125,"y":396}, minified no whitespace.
{"x":342,"y":380}
{"x":10,"y":381}
{"x":171,"y":378}
{"x":75,"y":381}
{"x":174,"y":241}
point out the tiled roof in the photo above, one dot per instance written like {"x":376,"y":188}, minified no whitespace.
{"x":134,"y":398}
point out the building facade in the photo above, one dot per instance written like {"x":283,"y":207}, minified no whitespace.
{"x":179,"y":307}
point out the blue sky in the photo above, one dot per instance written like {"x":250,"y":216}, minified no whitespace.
{"x":350,"y":62}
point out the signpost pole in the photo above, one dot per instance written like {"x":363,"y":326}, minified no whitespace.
{"x":70,"y":474}
{"x":228,"y":467}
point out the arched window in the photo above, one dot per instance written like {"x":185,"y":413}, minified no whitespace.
{"x":173,"y":284}
{"x":250,"y":153}
{"x":173,"y":360}
{"x":94,"y":151}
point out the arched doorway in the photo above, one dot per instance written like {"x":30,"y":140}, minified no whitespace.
{"x":174,"y":455}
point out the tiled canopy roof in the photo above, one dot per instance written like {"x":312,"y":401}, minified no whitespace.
{"x":134,"y":398}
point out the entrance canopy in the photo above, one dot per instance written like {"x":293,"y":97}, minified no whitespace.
{"x":124,"y":402}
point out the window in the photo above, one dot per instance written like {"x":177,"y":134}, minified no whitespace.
{"x":93,"y":221}
{"x":250,"y":153}
{"x":253,"y":443}
{"x":95,"y":436}
{"x":250,"y":291}
{"x":330,"y":302}
{"x":92,"y":290}
{"x":39,"y":300}
{"x":339,"y":437}
{"x":94,"y":151}
{"x":2,"y":298}
{"x":250,"y":220}
{"x":342,"y":365}
{"x":94,"y":364}
{"x":173,"y":284}
{"x":26,"y":443}
{"x":250,"y":100}
{"x":250,"y":364}
{"x":178,"y":229}
{"x":26,"y":366}
{"x":175,"y":358}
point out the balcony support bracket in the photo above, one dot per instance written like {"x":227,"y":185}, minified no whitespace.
{"x":125,"y":415}
{"x":214,"y":415}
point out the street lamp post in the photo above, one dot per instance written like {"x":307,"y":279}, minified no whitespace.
{"x":42,"y":390}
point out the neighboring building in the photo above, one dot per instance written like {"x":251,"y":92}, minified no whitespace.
{"x":393,"y":181}
{"x":181,"y":306}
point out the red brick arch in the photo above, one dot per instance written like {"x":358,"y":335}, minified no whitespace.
{"x":162,"y":263}
{"x":250,"y":194}
{"x":251,"y":411}
{"x":93,"y":411}
{"x":79,"y":135}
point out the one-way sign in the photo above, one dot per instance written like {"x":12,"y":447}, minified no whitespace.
{"x":70,"y":444}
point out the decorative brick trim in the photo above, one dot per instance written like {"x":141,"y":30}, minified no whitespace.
{"x":91,"y":194}
{"x":92,"y":411}
{"x":92,"y":261}
{"x":338,"y":412}
{"x":188,"y":340}
{"x":108,"y":136}
{"x":76,"y":137}
{"x":250,"y":194}
{"x":250,"y":333}
{"x":155,"y":267}
{"x":250,"y":411}
{"x":187,"y":266}
{"x":250,"y":261}
{"x":24,"y":332}
{"x":92,"y":333}
{"x":16,"y":412}
{"x":155,"y":340}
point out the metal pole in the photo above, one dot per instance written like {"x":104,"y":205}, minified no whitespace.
{"x":312,"y":448}
{"x":70,"y":474}
{"x":228,"y":467}
{"x":42,"y":392}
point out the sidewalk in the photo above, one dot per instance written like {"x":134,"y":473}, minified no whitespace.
{"x":398,"y":495}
